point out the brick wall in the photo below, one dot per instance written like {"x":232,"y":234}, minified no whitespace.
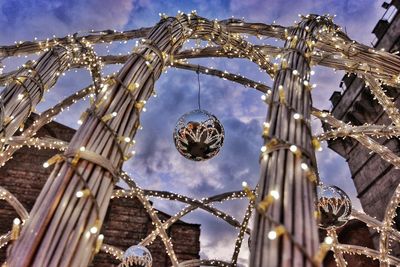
{"x":126,"y":222}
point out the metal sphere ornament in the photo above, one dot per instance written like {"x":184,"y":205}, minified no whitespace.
{"x":136,"y":256}
{"x":198,"y":135}
{"x":333,"y":206}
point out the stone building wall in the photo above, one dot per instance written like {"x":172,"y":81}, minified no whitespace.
{"x":375,"y":179}
{"x":126,"y":222}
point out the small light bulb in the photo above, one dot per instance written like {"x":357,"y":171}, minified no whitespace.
{"x":304,"y":166}
{"x":93,"y":230}
{"x":274,"y":194}
{"x":79,"y":194}
{"x":296,"y":116}
{"x":328,"y":240}
{"x":127,"y":139}
{"x":244,"y":184}
{"x":293,"y":148}
{"x":46,"y":165}
{"x":82,"y":148}
{"x":17,"y":221}
{"x":272,"y":235}
{"x":263,"y":148}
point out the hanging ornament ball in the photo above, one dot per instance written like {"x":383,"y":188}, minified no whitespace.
{"x":334,"y":207}
{"x":198,"y":135}
{"x":136,"y":256}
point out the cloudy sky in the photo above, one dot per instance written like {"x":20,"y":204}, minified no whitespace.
{"x":157,"y":164}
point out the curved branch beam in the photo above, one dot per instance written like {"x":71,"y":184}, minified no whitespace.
{"x":45,"y":142}
{"x":158,"y":224}
{"x":224,"y":75}
{"x":387,"y":104}
{"x":198,"y":263}
{"x":18,"y":207}
{"x":105,"y":36}
{"x":349,"y":130}
{"x":335,"y":48}
{"x":150,"y":238}
{"x":14,"y":202}
{"x":387,"y":224}
{"x":338,"y":44}
{"x":194,"y":204}
{"x":385,"y":153}
{"x":26,"y":88}
{"x":112,"y":250}
{"x":374,"y":223}
{"x":242,"y":230}
{"x":4,"y":239}
{"x":339,"y":259}
{"x":373,"y":254}
{"x":46,"y":117}
{"x":192,"y":67}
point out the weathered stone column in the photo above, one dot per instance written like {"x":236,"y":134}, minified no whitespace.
{"x":288,"y":159}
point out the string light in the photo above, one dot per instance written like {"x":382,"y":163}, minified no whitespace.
{"x":277,"y":232}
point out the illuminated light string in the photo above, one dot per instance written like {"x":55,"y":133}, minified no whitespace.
{"x":17,"y":223}
{"x":388,"y":131}
{"x":385,"y":153}
{"x":332,"y":43}
{"x":332,"y":49}
{"x":242,"y":231}
{"x":203,"y":204}
{"x":219,"y":198}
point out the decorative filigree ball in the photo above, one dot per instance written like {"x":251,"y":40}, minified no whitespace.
{"x":137,"y":256}
{"x":198,"y":135}
{"x":334,"y":207}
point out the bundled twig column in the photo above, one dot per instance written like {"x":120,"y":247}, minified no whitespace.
{"x":27,"y":86}
{"x":285,"y":219}
{"x":69,"y":212}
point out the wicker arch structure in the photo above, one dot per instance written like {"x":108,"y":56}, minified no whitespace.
{"x":64,"y":226}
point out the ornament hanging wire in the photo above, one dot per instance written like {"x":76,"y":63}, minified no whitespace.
{"x":198,"y":81}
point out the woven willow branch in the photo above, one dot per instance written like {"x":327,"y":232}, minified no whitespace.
{"x":27,"y":86}
{"x":385,"y":153}
{"x":388,"y":105}
{"x":18,"y":207}
{"x":13,"y":201}
{"x":46,"y":117}
{"x":374,"y":223}
{"x":45,"y":142}
{"x":157,"y":222}
{"x":349,"y":130}
{"x":194,"y":203}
